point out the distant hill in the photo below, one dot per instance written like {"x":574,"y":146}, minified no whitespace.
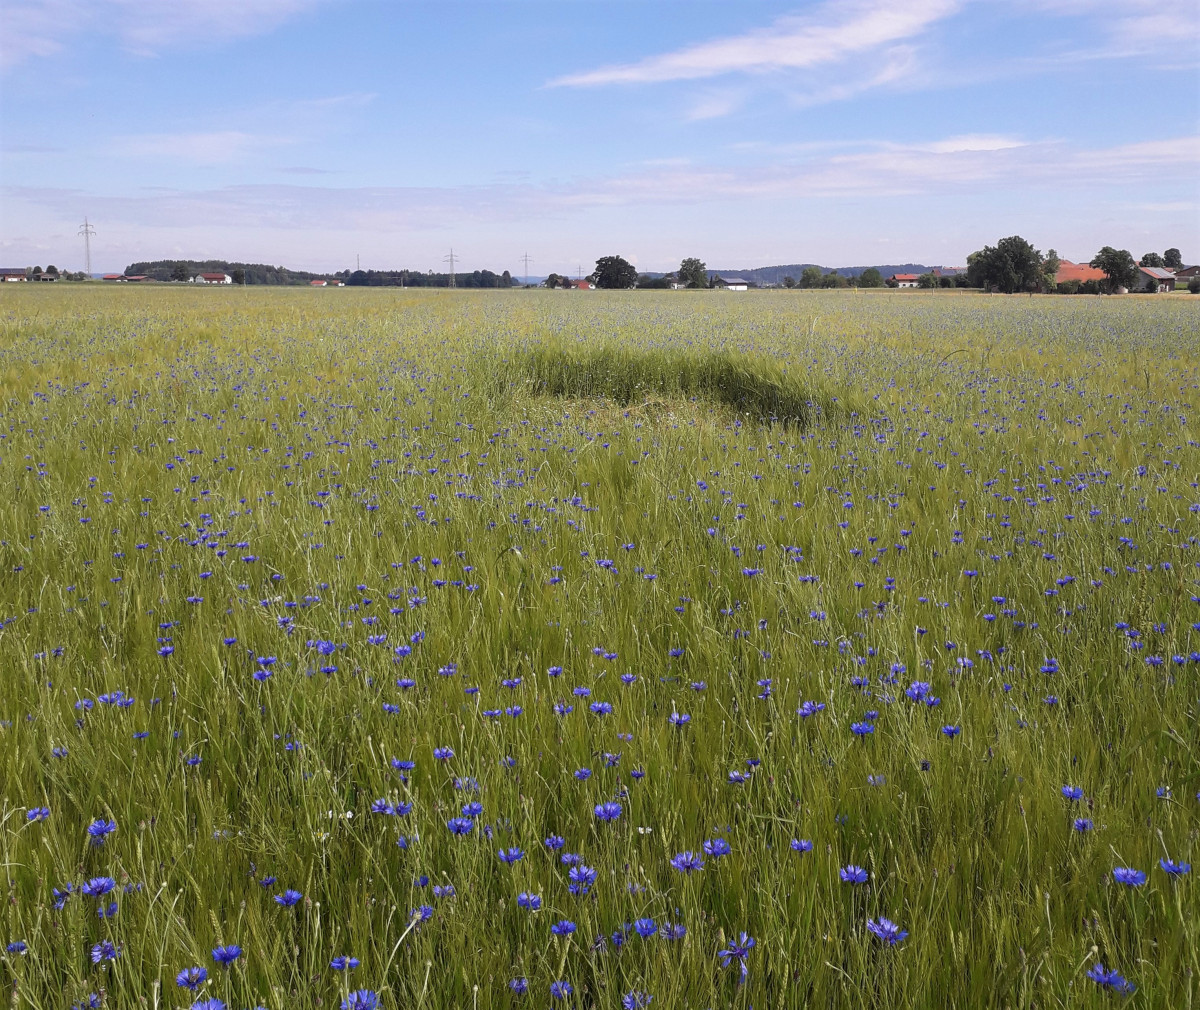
{"x":775,"y":275}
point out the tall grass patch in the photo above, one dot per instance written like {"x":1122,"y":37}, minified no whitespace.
{"x":753,"y":386}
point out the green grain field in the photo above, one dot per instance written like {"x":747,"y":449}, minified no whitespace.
{"x":792,"y":582}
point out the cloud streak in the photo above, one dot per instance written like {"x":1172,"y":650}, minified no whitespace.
{"x":955,"y":165}
{"x":36,"y":29}
{"x":213,"y":148}
{"x":834,"y":33}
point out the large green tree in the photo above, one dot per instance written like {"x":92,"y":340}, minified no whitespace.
{"x":615,"y":272}
{"x":1118,"y":267}
{"x":1050,"y":267}
{"x":1009,"y":266}
{"x":810,"y":277}
{"x":1151,"y":259}
{"x":1173,"y":259}
{"x":870,"y":278}
{"x":693,"y":273}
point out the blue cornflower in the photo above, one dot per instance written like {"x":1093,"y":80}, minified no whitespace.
{"x":687,"y":862}
{"x":442,"y":754}
{"x":37,"y":813}
{"x":561,"y":990}
{"x":511,"y":855}
{"x":1129,"y":877}
{"x":343,"y":962}
{"x":361,"y":999}
{"x":191,"y":978}
{"x":472,"y":809}
{"x":582,"y":878}
{"x":645,"y":928}
{"x":679,"y":719}
{"x":609,"y":811}
{"x":288,"y":898}
{"x":104,"y":951}
{"x":1175,"y":869}
{"x":634,"y":1000}
{"x":862,"y":728}
{"x":212,"y":1003}
{"x":92,"y":1001}
{"x":460,"y":825}
{"x":737,"y":952}
{"x":717,"y":847}
{"x":531,"y":901}
{"x":1072,"y":792}
{"x":555,"y":842}
{"x":887,"y":931}
{"x":564,"y":927}
{"x":99,"y":829}
{"x":853,"y":874}
{"x":97,"y":886}
{"x":951,"y":731}
{"x":17,"y":947}
{"x":673,"y":931}
{"x":1082,"y":824}
{"x":1110,"y":979}
{"x":226,"y":955}
{"x":801,"y":845}
{"x":519,"y":985}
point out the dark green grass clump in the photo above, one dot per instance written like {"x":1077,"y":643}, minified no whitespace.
{"x":759,"y":387}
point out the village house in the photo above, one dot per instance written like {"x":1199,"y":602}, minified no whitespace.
{"x":905,"y":280}
{"x":1157,"y":279}
{"x":1185,"y":274}
{"x":1068,"y":271}
{"x":12,"y":274}
{"x":212,"y":279}
{"x":731,"y":284}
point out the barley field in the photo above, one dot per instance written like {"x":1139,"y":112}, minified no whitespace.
{"x":503,"y":649}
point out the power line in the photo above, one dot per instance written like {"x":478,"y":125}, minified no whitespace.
{"x":450,"y":259}
{"x":87,"y":231}
{"x":528,"y":259}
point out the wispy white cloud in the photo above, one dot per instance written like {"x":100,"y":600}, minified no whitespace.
{"x":929,"y":170}
{"x":1127,"y":28}
{"x":836,"y":31}
{"x":714,"y":105}
{"x":974,"y":142}
{"x":42,"y":28}
{"x":212,"y":148}
{"x":892,"y":66}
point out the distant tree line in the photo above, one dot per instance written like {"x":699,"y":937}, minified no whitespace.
{"x":242,"y":273}
{"x":264,"y":274}
{"x":1014,"y":265}
{"x":52,"y":273}
{"x":418,"y":279}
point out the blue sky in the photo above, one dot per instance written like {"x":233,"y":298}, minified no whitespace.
{"x":308,"y":133}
